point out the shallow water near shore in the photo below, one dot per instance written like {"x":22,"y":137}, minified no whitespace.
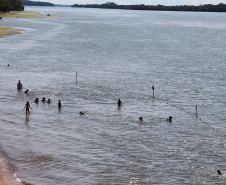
{"x":116,"y":54}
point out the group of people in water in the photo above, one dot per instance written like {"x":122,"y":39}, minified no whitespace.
{"x":141,"y":118}
{"x":27,"y":105}
{"x":43,"y":100}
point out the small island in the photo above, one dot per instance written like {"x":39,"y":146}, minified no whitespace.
{"x":201,"y":8}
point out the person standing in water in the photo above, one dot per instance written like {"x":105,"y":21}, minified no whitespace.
{"x":27,"y":106}
{"x":119,"y":103}
{"x":19,"y":85}
{"x":59,"y":104}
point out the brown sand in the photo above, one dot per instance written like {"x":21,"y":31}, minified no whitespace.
{"x":2,"y":180}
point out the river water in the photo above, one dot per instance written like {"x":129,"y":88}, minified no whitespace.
{"x":116,"y":54}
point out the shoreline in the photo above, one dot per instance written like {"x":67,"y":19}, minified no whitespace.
{"x":9,"y":31}
{"x":7,"y":171}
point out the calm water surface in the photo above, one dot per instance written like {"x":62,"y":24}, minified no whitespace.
{"x":116,"y":54}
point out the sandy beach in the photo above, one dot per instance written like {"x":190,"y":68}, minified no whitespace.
{"x":7,"y":31}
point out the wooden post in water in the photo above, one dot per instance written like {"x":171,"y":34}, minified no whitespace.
{"x":76,"y":78}
{"x":196,"y":111}
{"x":153,"y":88}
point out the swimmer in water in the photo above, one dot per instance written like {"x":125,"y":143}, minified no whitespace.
{"x":19,"y":85}
{"x":36,"y":100}
{"x":27,"y":106}
{"x":26,"y":91}
{"x":59,"y":104}
{"x":219,"y":172}
{"x":43,"y":99}
{"x":141,"y":119}
{"x":169,"y":119}
{"x":81,"y":113}
{"x":119,"y":103}
{"x":48,"y":101}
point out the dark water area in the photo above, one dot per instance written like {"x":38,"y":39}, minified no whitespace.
{"x":116,"y":54}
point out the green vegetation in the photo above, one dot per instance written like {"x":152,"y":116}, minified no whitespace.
{"x":202,"y":8}
{"x":10,"y":5}
{"x":35,"y":3}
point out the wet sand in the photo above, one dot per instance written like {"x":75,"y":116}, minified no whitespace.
{"x":7,"y":31}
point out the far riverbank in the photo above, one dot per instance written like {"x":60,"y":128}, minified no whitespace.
{"x":201,"y":8}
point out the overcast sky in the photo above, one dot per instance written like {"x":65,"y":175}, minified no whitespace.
{"x":147,"y":2}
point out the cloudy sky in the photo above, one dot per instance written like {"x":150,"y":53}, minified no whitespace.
{"x":147,"y":2}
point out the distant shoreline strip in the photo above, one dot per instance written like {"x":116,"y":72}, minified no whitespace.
{"x":191,"y":8}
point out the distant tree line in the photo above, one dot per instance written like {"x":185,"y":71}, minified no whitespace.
{"x":10,"y":5}
{"x":35,"y":3}
{"x":201,"y":8}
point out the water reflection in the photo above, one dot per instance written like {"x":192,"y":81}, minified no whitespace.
{"x":27,"y":120}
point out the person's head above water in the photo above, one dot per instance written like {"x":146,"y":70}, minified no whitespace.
{"x":140,"y":118}
{"x":219,"y":172}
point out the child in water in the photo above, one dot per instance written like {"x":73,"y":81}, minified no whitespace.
{"x":36,"y":100}
{"x":27,"y":106}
